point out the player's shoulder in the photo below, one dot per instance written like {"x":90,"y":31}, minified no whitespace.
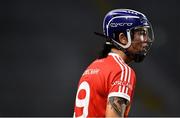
{"x":103,"y":63}
{"x":119,"y":64}
{"x":118,"y":60}
{"x":110,"y":64}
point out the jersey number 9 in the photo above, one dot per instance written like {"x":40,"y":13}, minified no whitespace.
{"x":82,"y":100}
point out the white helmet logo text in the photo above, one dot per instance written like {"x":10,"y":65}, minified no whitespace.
{"x":120,"y":24}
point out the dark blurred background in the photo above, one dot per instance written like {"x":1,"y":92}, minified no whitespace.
{"x":46,"y":45}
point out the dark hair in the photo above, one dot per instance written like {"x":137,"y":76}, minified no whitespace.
{"x":106,"y":49}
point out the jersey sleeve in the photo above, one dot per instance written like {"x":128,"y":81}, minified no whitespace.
{"x":123,"y":84}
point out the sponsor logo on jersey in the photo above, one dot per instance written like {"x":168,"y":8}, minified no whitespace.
{"x":91,"y":71}
{"x":122,"y":83}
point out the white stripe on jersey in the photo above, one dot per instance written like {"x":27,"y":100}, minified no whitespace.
{"x":122,"y":74}
{"x":126,"y":72}
{"x":118,"y":94}
{"x":129,"y":77}
{"x":121,"y":66}
{"x":125,"y":69}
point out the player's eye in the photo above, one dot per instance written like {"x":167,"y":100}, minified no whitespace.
{"x":142,"y":32}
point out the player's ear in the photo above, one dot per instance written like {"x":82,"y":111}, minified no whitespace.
{"x":122,"y":39}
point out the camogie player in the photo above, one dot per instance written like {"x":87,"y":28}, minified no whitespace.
{"x":106,"y":87}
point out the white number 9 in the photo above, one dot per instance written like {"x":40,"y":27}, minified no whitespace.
{"x":83,"y":102}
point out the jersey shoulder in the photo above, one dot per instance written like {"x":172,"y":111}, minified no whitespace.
{"x":105,"y":64}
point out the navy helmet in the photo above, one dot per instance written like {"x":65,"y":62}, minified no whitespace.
{"x":125,"y":20}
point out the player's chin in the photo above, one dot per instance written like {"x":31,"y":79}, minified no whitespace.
{"x":143,"y":48}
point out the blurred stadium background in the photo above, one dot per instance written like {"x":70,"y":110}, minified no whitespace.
{"x":47,"y":44}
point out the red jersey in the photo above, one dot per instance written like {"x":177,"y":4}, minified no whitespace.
{"x":104,"y":78}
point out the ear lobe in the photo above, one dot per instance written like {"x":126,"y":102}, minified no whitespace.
{"x":122,"y":39}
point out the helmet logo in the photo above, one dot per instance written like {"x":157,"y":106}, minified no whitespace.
{"x":120,"y":24}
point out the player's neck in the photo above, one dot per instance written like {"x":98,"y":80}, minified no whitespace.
{"x":122,"y":55}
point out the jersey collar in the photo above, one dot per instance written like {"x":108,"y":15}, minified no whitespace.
{"x":115,"y":54}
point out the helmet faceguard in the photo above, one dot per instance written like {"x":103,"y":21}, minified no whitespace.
{"x":146,"y":37}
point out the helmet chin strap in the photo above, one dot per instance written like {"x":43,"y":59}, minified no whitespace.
{"x":137,"y":57}
{"x":121,"y":46}
{"x":129,"y":40}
